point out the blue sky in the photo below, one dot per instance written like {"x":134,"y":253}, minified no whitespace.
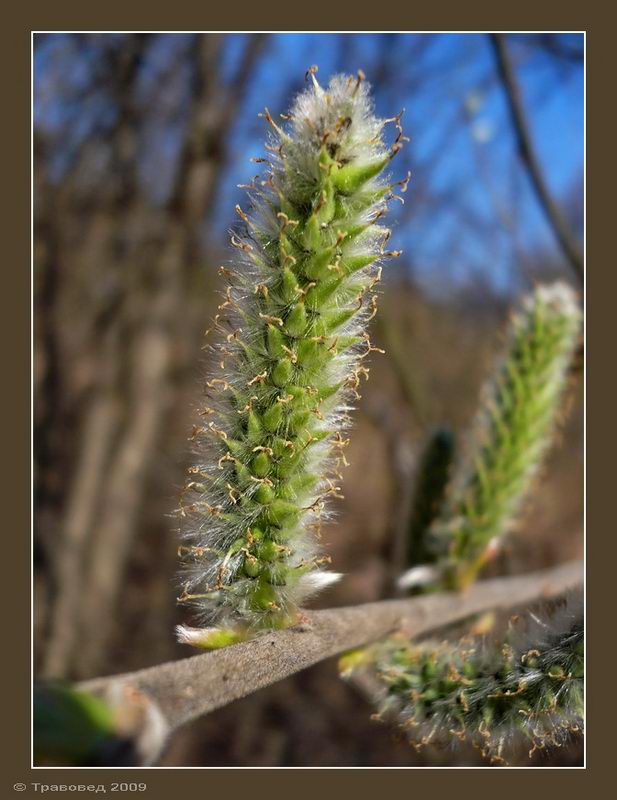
{"x":462,"y":148}
{"x":469,"y":212}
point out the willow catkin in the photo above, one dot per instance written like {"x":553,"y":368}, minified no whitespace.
{"x":511,"y":433}
{"x":494,"y":694}
{"x":292,"y":345}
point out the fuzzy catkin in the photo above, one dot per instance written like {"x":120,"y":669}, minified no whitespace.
{"x":433,"y":476}
{"x":492,"y":694}
{"x":511,"y":434}
{"x":292,"y":345}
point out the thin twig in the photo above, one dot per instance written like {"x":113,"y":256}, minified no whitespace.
{"x":567,"y":240}
{"x":177,"y":692}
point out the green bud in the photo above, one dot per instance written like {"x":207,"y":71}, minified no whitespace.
{"x":265,"y":494}
{"x":296,"y":322}
{"x":281,"y":374}
{"x":272,"y":417}
{"x":254,"y":428}
{"x":261,"y":465}
{"x":352,"y":177}
{"x":251,"y":566}
{"x":276,"y":342}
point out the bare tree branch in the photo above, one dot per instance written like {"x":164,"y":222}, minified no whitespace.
{"x":172,"y":694}
{"x":566,"y":238}
{"x":124,"y":420}
{"x":553,"y":44}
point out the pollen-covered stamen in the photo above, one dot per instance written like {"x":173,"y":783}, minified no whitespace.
{"x":262,"y":481}
{"x":249,"y":404}
{"x":404,"y":183}
{"x":370,"y":348}
{"x":290,"y":353}
{"x":242,"y":215}
{"x":268,"y":117}
{"x":233,"y":492}
{"x":373,"y":310}
{"x":240,"y":245}
{"x":215,"y":382}
{"x":310,"y":74}
{"x":376,"y":279}
{"x":334,"y":491}
{"x":214,"y":510}
{"x":258,"y":378}
{"x":271,"y":319}
{"x":262,"y":449}
{"x":301,"y":291}
{"x":197,"y":471}
{"x":196,"y":431}
{"x":216,"y":325}
{"x":286,"y":222}
{"x":227,"y":457}
{"x":229,"y":301}
{"x":234,"y":335}
{"x":336,"y":267}
{"x":198,"y":552}
{"x":251,"y":185}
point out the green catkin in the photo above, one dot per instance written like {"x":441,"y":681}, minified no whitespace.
{"x":293,"y":329}
{"x":72,"y":728}
{"x":510,"y":435}
{"x":433,"y":477}
{"x":494,"y":695}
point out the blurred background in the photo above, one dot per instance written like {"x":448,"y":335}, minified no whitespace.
{"x":140,"y":141}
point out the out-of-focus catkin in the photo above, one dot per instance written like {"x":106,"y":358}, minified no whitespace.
{"x":511,"y":433}
{"x":495,"y":694}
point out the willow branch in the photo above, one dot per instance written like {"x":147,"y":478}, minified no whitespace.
{"x":567,"y":240}
{"x":180,"y":691}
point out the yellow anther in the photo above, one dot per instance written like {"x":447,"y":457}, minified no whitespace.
{"x":293,"y":357}
{"x":197,"y":430}
{"x":218,"y":382}
{"x":302,"y":292}
{"x":271,"y":320}
{"x":286,"y":221}
{"x":373,"y":309}
{"x":263,"y":481}
{"x":240,"y":245}
{"x":249,"y":405}
{"x":268,"y":117}
{"x":234,"y":494}
{"x":241,"y":214}
{"x":262,"y":449}
{"x":258,"y":378}
{"x":226,"y":457}
{"x":217,"y":431}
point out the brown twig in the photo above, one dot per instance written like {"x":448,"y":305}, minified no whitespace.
{"x":567,"y":241}
{"x":177,"y":692}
